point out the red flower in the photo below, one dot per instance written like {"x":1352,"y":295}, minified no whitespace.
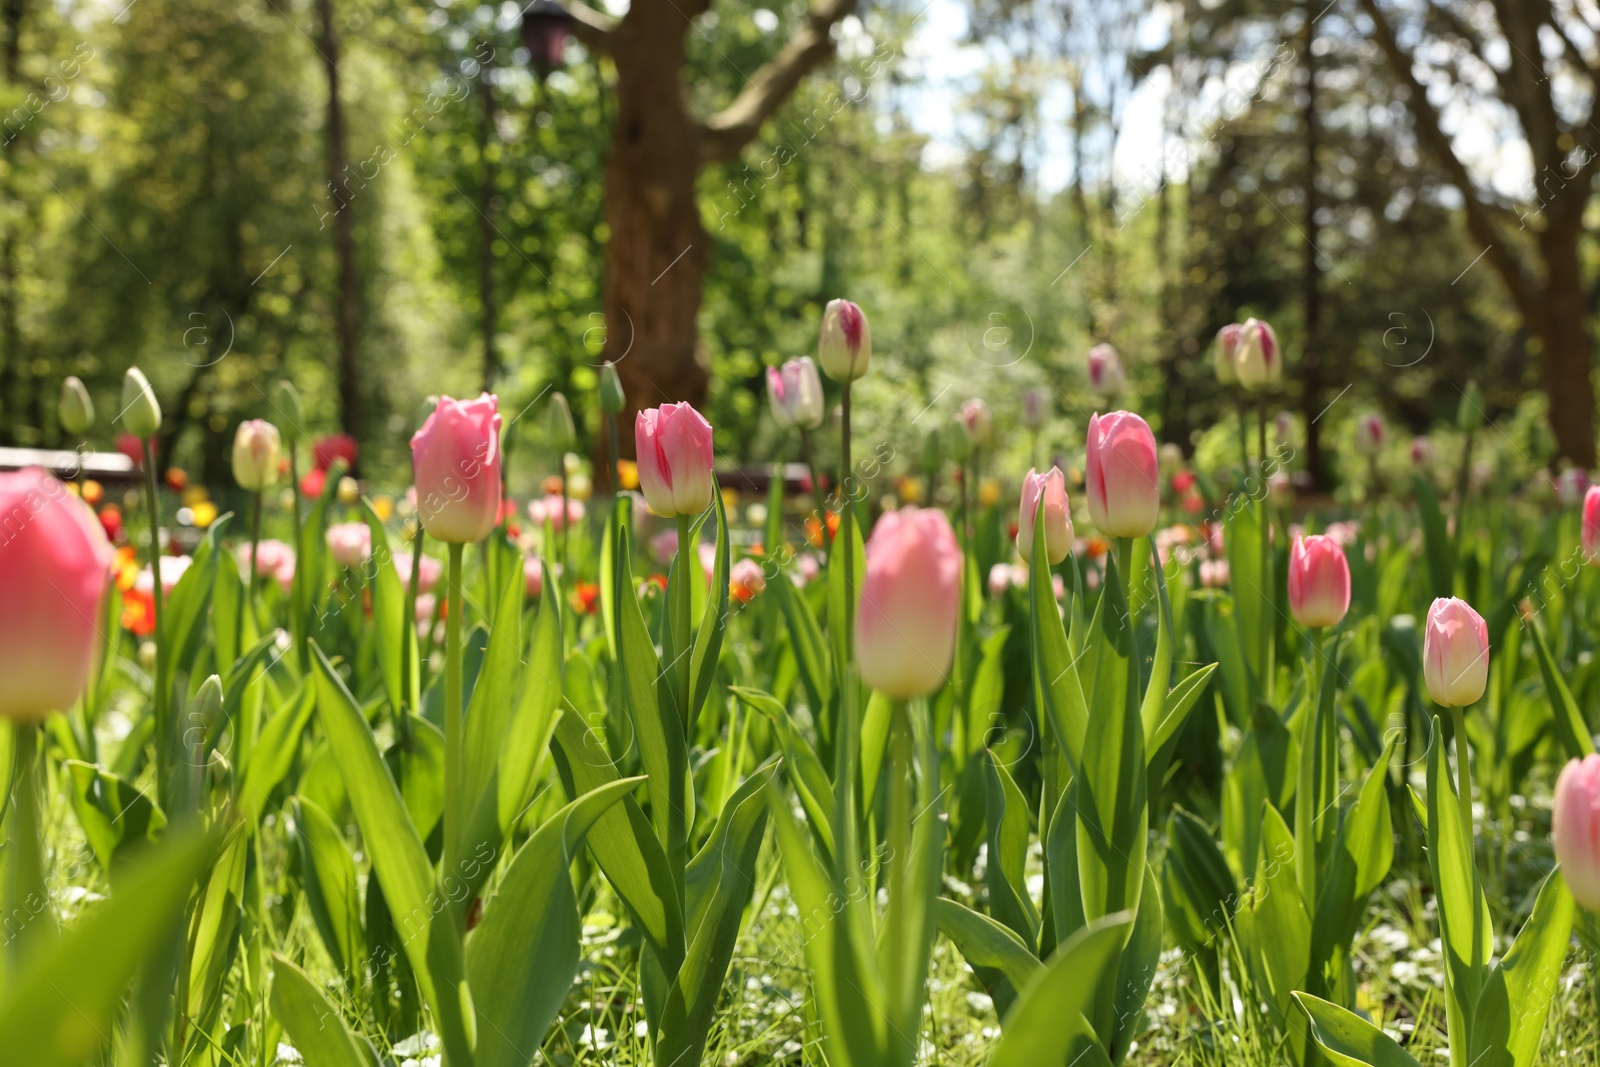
{"x":177,"y":479}
{"x":1183,"y":481}
{"x":336,"y":446}
{"x":132,"y":447}
{"x":313,"y":483}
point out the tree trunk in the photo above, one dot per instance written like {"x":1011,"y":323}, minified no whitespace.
{"x":486,"y":228}
{"x":1311,"y":353}
{"x":1567,"y":357}
{"x":658,"y":251}
{"x":347,"y":319}
{"x":11,"y":357}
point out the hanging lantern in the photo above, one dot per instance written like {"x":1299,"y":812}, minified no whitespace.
{"x":545,"y":28}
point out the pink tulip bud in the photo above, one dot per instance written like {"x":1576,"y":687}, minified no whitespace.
{"x":1455,"y":653}
{"x":1122,"y":476}
{"x":1213,"y":573}
{"x":1575,"y":825}
{"x":455,"y":461}
{"x":910,"y":598}
{"x":1591,"y":524}
{"x":533,"y":575}
{"x":1257,"y":361}
{"x":1571,"y":484}
{"x":1421,"y":452}
{"x":1105,"y":370}
{"x":1033,"y":407}
{"x":272,"y":556}
{"x":844,"y":344}
{"x":1369,"y":434}
{"x":1058,"y":533}
{"x":1223,"y":352}
{"x":429,"y":571}
{"x":673,"y":443}
{"x":54,"y":569}
{"x":349,"y":543}
{"x":1319,"y":581}
{"x":795,"y":392}
{"x":255,"y":455}
{"x":977,"y":422}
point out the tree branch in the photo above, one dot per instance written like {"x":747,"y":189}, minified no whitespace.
{"x":594,"y":29}
{"x":735,"y":126}
{"x":1481,"y":221}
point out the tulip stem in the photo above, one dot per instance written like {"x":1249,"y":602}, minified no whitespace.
{"x":452,"y":712}
{"x":847,"y":527}
{"x":26,"y":898}
{"x":152,"y":505}
{"x":1458,"y":720}
{"x":616,"y":457}
{"x":247,"y":596}
{"x":565,"y":509}
{"x":816,"y":482}
{"x":1268,"y":594}
{"x":899,"y":873}
{"x":683,"y":638}
{"x":402,"y":719}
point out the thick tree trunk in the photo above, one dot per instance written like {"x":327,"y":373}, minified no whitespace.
{"x":486,"y":228}
{"x":11,"y":356}
{"x":1566,"y":361}
{"x":1311,"y":353}
{"x":347,"y":319}
{"x":658,"y":251}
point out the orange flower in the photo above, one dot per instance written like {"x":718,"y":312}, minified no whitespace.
{"x":177,"y":479}
{"x":1097,"y":547}
{"x":93,"y":492}
{"x":585,"y":597}
{"x":814,"y":528}
{"x":125,"y":565}
{"x":138,"y":612}
{"x":628,"y":473}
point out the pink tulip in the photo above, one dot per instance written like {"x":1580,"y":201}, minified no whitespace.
{"x":54,"y":569}
{"x":255,"y":455}
{"x":1033,"y":408}
{"x":1123,"y":478}
{"x":271,"y":555}
{"x":1319,"y":581}
{"x":550,"y":509}
{"x":795,"y":392}
{"x":844,"y":343}
{"x":1571,"y":484}
{"x":425,"y":606}
{"x":910,"y":598}
{"x":172,"y":568}
{"x":977,"y":422}
{"x":1455,"y":653}
{"x":673,"y":443}
{"x":1591,"y":524}
{"x":350,"y":543}
{"x":1421,"y":452}
{"x":1105,"y":370}
{"x":1213,"y":573}
{"x":1223,"y":353}
{"x":1575,"y":825}
{"x":533,"y":574}
{"x":455,"y":461}
{"x":1256,"y":360}
{"x":1058,"y":533}
{"x":1369,"y":434}
{"x":428,"y":572}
